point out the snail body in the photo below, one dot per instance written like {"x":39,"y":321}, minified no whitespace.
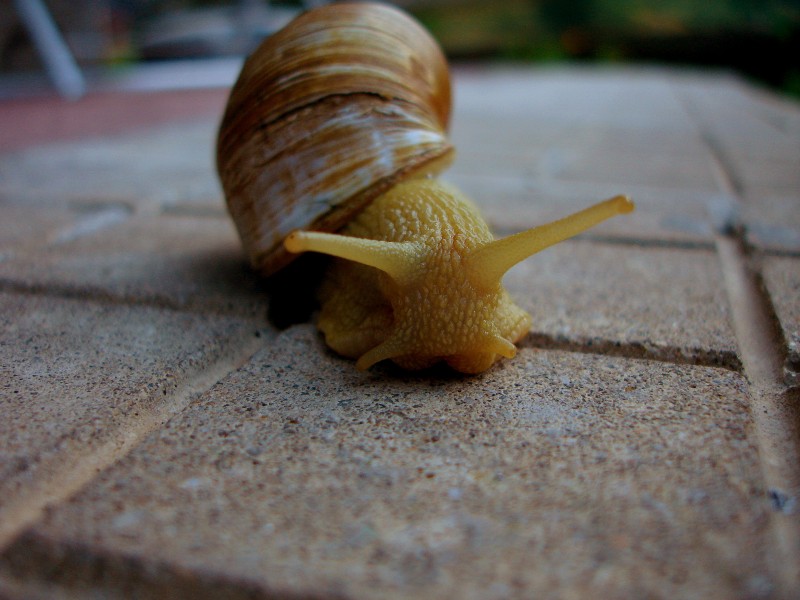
{"x":417,"y":274}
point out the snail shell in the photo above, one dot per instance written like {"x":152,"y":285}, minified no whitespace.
{"x":326,"y":115}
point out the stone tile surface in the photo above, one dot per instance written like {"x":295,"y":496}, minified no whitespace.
{"x":634,"y":99}
{"x":676,"y":216}
{"x":75,"y":374}
{"x":772,"y":221}
{"x":151,"y":169}
{"x":30,"y":121}
{"x":782,"y":281}
{"x":601,"y":295}
{"x":556,"y":471}
{"x":607,"y":145}
{"x":589,"y":153}
{"x":24,"y":227}
{"x":570,"y":141}
{"x":756,"y":144}
{"x":612,"y":457}
{"x":178,"y":261}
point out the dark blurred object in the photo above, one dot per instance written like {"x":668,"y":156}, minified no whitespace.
{"x":56,"y":56}
{"x":102,"y":32}
{"x":199,"y":31}
{"x":84,"y":25}
{"x":475,"y":29}
{"x":757,"y":54}
{"x":759,"y":38}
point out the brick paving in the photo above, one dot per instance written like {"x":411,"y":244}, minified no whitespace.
{"x":165,"y":434}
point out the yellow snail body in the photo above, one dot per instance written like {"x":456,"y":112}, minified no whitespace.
{"x":417,"y":278}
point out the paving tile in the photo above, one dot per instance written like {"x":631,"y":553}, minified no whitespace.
{"x":584,"y":154}
{"x":762,"y":175}
{"x":649,"y":168}
{"x":512,"y":203}
{"x":179,"y":261}
{"x":504,"y":147}
{"x":610,"y":98}
{"x":29,"y":121}
{"x":153,"y":168}
{"x":579,"y":130}
{"x":300,"y":476}
{"x":501,"y":143}
{"x":75,"y":373}
{"x":738,"y":118}
{"x":772,"y":221}
{"x":562,"y":142}
{"x":576,"y":469}
{"x":609,"y":296}
{"x":25,"y":226}
{"x":781,"y":276}
{"x":757,"y":146}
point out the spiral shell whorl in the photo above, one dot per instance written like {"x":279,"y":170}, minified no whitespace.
{"x":326,"y":115}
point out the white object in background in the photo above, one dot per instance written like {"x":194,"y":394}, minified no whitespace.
{"x":60,"y":64}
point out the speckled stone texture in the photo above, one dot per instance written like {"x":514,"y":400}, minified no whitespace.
{"x":173,"y":427}
{"x":77,"y":375}
{"x":664,"y":215}
{"x":556,"y":471}
{"x":609,"y":297}
{"x":152,"y":169}
{"x":189,"y":262}
{"x":782,"y":283}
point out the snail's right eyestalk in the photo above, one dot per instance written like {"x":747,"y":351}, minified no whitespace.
{"x":398,"y":259}
{"x":490,"y":263}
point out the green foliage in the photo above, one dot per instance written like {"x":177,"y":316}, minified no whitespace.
{"x":760,"y":38}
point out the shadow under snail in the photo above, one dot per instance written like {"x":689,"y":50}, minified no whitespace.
{"x":338,"y":123}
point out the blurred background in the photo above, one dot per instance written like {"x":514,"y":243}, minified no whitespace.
{"x":757,"y":38}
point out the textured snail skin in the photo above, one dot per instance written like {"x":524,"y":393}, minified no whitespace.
{"x":421,"y":278}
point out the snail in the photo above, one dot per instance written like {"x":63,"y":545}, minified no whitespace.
{"x":330,"y":142}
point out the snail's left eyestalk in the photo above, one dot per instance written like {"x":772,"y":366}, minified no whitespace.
{"x":490,"y":263}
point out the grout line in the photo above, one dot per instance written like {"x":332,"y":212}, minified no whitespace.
{"x":624,"y":240}
{"x":56,"y":483}
{"x":780,"y":253}
{"x":760,"y":341}
{"x":635,"y":350}
{"x":647,"y":243}
{"x":775,"y":409}
{"x":11,"y":588}
{"x":100,"y":295}
{"x":26,"y":572}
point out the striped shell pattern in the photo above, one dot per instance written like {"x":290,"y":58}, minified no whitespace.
{"x":326,"y":115}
